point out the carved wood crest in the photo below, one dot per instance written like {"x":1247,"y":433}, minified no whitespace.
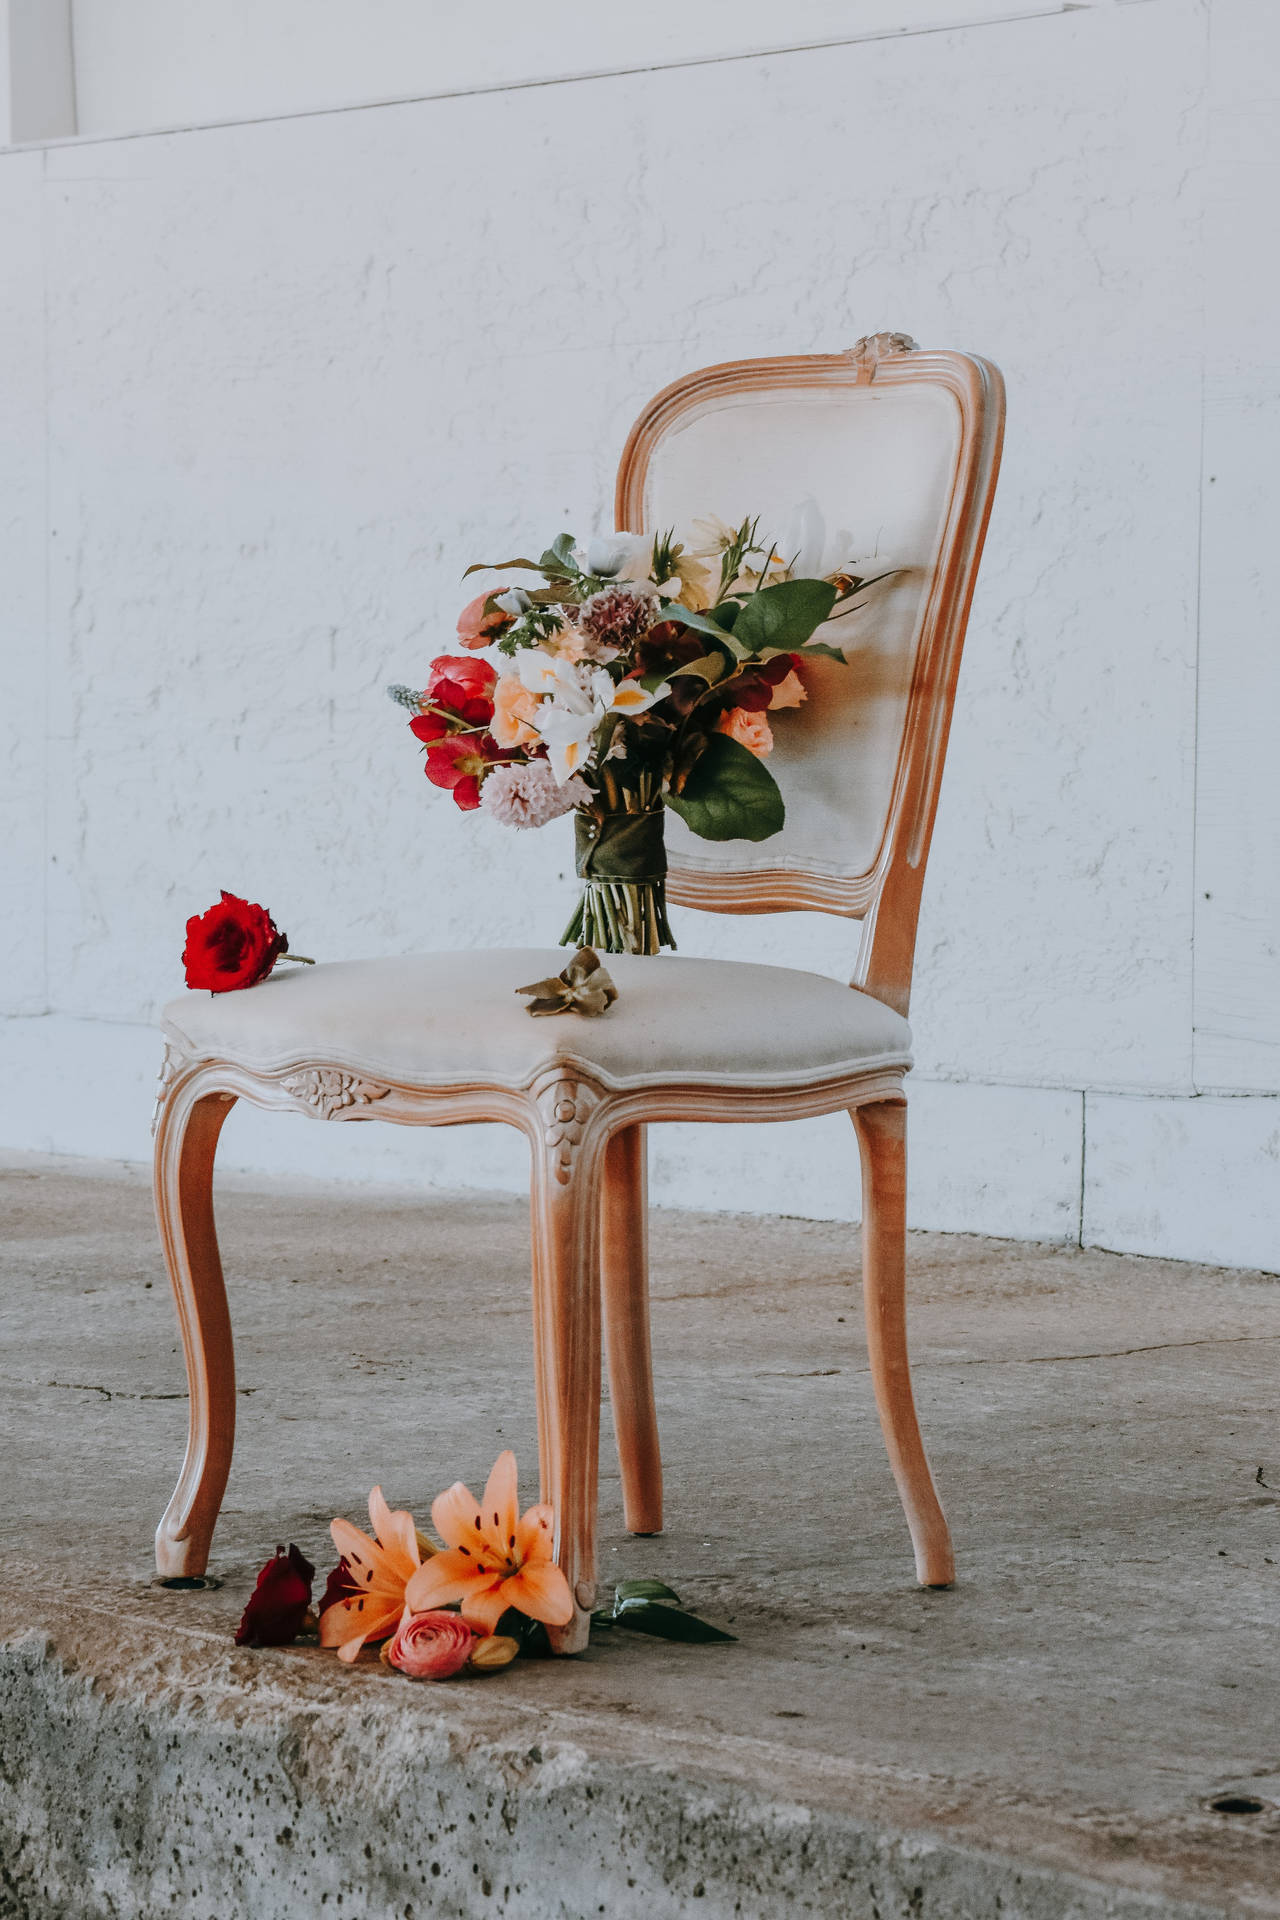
{"x":327,"y":1092}
{"x":564,"y":1107}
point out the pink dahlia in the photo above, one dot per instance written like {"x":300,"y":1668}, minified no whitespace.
{"x":527,"y":796}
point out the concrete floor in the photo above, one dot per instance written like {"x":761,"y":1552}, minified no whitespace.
{"x":1042,"y":1739}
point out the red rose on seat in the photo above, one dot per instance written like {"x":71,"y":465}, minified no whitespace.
{"x":461,"y":686}
{"x":273,"y":1617}
{"x":234,"y":944}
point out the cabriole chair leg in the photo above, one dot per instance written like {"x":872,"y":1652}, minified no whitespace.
{"x":568,"y":1153}
{"x":186,"y":1140}
{"x":882,"y":1141}
{"x":624,"y":1223}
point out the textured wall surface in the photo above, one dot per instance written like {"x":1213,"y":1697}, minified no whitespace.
{"x":268,"y":386}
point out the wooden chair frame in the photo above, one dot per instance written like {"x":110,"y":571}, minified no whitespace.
{"x":586,"y":1135}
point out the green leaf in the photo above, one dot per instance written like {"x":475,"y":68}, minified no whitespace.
{"x":652,"y":681}
{"x":819,"y":647}
{"x":729,"y":795}
{"x":643,"y":1590}
{"x":558,"y":557}
{"x":785,"y":615}
{"x":709,"y":667}
{"x":671,"y":1623}
{"x":501,"y":566}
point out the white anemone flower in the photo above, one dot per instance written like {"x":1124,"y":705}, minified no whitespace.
{"x":620,"y":556}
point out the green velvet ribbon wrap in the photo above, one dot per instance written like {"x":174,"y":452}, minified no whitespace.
{"x":620,"y":846}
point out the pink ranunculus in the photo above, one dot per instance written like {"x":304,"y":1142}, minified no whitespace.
{"x":476,"y":628}
{"x":430,"y":1646}
{"x":750,"y":730}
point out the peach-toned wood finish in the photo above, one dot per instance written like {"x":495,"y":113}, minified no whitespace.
{"x":587,"y":1137}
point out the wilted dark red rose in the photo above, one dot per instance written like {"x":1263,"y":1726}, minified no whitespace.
{"x":234,"y":944}
{"x":339,"y":1586}
{"x":273,"y":1617}
{"x":463,"y":687}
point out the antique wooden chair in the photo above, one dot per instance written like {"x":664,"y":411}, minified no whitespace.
{"x":901,"y":449}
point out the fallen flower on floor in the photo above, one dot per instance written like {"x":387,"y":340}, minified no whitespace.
{"x":278,"y":1604}
{"x":495,"y":1559}
{"x":379,"y":1570}
{"x":430,"y":1646}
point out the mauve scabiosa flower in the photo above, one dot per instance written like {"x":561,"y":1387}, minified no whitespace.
{"x":527,"y":796}
{"x":617,"y":616}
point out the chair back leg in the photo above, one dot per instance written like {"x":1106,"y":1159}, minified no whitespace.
{"x":624,"y":1231}
{"x":567,"y":1178}
{"x":882,"y":1141}
{"x":187,"y":1129}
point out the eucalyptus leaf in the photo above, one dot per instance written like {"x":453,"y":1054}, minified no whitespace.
{"x":784,"y":615}
{"x":729,"y":795}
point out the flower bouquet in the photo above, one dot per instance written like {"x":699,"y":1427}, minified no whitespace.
{"x":639,"y":674}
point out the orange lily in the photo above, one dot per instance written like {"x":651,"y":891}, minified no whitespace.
{"x":381,"y":1569}
{"x":495,"y":1558}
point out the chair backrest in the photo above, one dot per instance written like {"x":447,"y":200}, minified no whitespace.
{"x":883,"y":450}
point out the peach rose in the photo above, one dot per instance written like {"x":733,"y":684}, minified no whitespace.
{"x":750,"y":730}
{"x":430,"y":1646}
{"x":789,"y":692}
{"x":514,"y":708}
{"x":476,"y":628}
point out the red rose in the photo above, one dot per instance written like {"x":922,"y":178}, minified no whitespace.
{"x":460,"y":763}
{"x":462,"y":687}
{"x":273,"y":1617}
{"x":476,"y":628}
{"x":234,"y":944}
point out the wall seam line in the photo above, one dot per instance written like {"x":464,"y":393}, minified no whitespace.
{"x":1062,"y":10}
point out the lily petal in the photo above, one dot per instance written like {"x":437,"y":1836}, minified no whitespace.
{"x":395,"y":1533}
{"x":499,"y":1508}
{"x":456,"y":1515}
{"x":367,"y":1564}
{"x":485,"y":1609}
{"x":446,"y":1577}
{"x":540,"y":1591}
{"x":535,"y":1534}
{"x":349,"y":1623}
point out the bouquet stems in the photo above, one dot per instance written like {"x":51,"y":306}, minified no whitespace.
{"x":622,"y":863}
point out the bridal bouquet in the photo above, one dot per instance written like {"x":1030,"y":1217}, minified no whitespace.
{"x":638,"y":674}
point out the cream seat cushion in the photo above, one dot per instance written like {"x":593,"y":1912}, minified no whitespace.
{"x":436,"y":1019}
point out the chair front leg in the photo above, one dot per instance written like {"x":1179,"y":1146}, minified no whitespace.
{"x":568,"y":1153}
{"x":882,"y":1140}
{"x":624,"y":1223}
{"x":187,"y":1132}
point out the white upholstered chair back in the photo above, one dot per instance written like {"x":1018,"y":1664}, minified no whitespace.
{"x":883,"y":451}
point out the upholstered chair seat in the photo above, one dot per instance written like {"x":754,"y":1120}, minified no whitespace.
{"x":431,"y":1019}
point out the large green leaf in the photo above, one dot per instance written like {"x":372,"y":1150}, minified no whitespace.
{"x":558,"y":557}
{"x":785,"y":615}
{"x":730,"y":795}
{"x":709,"y":667}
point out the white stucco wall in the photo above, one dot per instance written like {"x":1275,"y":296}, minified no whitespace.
{"x":269,"y":384}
